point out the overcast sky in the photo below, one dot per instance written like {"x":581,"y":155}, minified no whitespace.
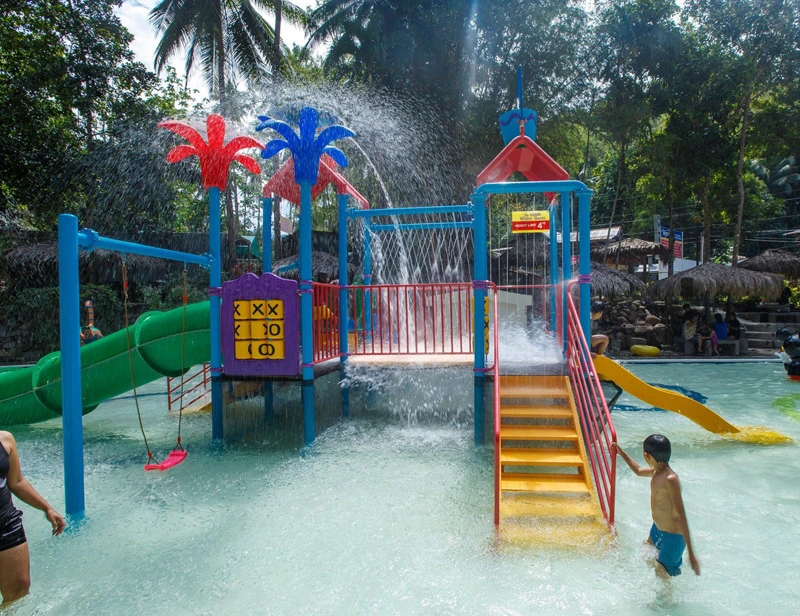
{"x":134,"y":16}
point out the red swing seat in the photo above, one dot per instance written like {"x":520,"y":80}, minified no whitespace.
{"x":173,"y":459}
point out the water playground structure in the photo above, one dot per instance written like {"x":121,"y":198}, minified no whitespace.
{"x":551,"y":427}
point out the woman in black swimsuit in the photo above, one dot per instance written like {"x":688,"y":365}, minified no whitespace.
{"x":15,"y":575}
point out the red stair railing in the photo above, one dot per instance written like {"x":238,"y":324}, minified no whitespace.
{"x":185,"y":390}
{"x":496,"y":378}
{"x":598,"y":428}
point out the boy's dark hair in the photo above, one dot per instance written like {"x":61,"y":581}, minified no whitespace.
{"x":598,"y":307}
{"x":658,"y":446}
{"x":718,"y":318}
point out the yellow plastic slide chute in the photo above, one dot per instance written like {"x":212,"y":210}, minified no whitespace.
{"x":609,"y":370}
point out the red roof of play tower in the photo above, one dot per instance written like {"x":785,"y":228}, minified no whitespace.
{"x":283,"y":184}
{"x":524,"y":155}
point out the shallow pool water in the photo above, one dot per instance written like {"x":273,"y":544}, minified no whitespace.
{"x":389,"y":516}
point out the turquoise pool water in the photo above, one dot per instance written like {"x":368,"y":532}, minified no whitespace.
{"x":391,"y":513}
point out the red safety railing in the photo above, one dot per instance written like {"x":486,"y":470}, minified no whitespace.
{"x":325,"y":317}
{"x":598,"y":428}
{"x":185,"y":390}
{"x":410,"y":319}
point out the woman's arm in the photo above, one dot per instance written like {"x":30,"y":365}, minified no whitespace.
{"x":22,"y":488}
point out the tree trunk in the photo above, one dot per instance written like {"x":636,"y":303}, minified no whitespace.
{"x":737,"y":238}
{"x":230,"y":226}
{"x":671,"y":199}
{"x":706,"y":220}
{"x":276,"y":227}
{"x":620,"y":165}
{"x":276,"y":51}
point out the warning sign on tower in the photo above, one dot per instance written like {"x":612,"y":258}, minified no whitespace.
{"x":530,"y":222}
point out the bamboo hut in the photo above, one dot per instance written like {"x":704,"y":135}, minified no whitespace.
{"x":630,"y":251}
{"x":711,"y":280}
{"x":321,"y":263}
{"x":610,"y":282}
{"x":775,"y":261}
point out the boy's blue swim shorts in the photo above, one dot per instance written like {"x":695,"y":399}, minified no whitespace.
{"x":670,"y":548}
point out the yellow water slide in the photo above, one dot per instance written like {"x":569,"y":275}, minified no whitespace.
{"x":609,"y":370}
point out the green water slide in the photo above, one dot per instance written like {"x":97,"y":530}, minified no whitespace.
{"x":161,"y":346}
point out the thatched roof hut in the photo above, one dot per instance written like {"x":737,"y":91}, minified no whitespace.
{"x":527,"y":248}
{"x":775,"y":261}
{"x":711,"y":280}
{"x":610,"y":282}
{"x":37,"y":266}
{"x":321,"y":263}
{"x":629,"y":249}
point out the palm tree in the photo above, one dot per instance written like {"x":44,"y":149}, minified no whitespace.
{"x":229,"y":37}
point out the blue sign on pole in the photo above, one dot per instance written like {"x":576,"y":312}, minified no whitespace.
{"x":677,"y":247}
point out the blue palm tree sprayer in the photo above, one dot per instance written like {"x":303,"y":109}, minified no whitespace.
{"x":306,"y":149}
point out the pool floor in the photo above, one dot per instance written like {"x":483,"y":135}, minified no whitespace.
{"x":391,"y":513}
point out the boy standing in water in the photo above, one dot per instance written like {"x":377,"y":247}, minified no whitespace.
{"x":670,"y":531}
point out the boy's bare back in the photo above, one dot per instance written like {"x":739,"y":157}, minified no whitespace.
{"x":665,"y":490}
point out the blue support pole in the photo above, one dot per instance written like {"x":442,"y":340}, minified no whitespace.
{"x":71,"y":392}
{"x":553,"y":264}
{"x":214,"y":311}
{"x":585,"y":263}
{"x":566,"y":261}
{"x":479,"y":241}
{"x":507,"y":188}
{"x":412,"y":211}
{"x":266,"y":267}
{"x":266,"y":235}
{"x":424,"y":226}
{"x":343,"y":308}
{"x":91,"y":241}
{"x":306,"y":316}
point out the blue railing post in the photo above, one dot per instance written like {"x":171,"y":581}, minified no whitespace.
{"x":479,"y":241}
{"x":266,"y":267}
{"x":71,"y":388}
{"x":553,"y":265}
{"x":306,"y":314}
{"x":343,"y":308}
{"x":585,"y":263}
{"x":566,"y":260}
{"x":214,"y":311}
{"x":266,"y":235}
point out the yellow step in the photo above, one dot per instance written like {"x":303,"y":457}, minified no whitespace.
{"x":545,"y":505}
{"x":536,"y":411}
{"x":540,"y":457}
{"x":532,"y":432}
{"x":531,"y":391}
{"x":530,"y":482}
{"x":585,"y":536}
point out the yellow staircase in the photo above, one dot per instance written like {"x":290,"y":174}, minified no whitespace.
{"x":547,"y":493}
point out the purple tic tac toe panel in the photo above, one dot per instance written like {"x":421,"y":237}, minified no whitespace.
{"x":260,"y":326}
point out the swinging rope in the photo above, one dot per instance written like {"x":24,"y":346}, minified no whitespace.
{"x":183,"y":359}
{"x":130,"y":358}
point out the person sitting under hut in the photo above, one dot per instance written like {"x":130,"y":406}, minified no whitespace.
{"x":720,"y":327}
{"x":734,"y":327}
{"x":599,"y":342}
